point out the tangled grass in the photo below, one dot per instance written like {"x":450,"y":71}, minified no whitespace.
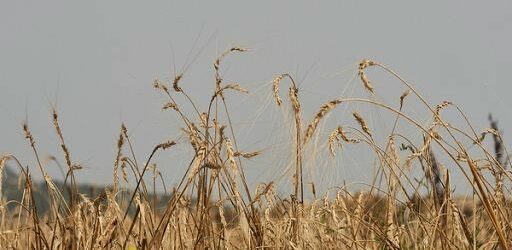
{"x":213,"y":206}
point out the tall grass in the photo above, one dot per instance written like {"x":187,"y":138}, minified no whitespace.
{"x":214,"y":207}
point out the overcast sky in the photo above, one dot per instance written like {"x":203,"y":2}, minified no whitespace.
{"x":95,"y":61}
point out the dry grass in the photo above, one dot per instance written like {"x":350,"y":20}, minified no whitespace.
{"x":213,"y":206}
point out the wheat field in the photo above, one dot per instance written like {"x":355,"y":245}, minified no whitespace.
{"x":214,"y":207}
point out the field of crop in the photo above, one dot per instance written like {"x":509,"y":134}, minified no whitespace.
{"x":214,"y":207}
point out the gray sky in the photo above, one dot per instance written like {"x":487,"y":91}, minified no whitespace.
{"x":96,"y":60}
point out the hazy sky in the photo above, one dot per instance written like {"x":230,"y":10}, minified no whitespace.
{"x":96,"y":60}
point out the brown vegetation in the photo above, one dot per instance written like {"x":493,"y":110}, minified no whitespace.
{"x":213,"y":206}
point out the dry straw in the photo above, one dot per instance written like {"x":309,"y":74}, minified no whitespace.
{"x":362,"y":66}
{"x":213,"y":206}
{"x":362,"y":123}
{"x":321,"y":113}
